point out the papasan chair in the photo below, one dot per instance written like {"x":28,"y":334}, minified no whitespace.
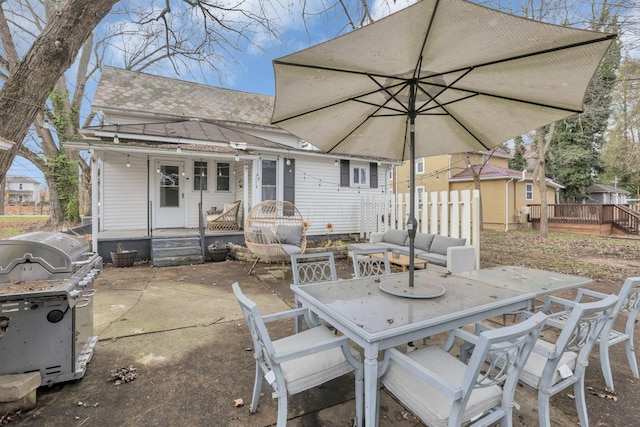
{"x":274,"y":230}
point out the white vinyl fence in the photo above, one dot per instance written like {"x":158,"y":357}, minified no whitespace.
{"x":453,"y":214}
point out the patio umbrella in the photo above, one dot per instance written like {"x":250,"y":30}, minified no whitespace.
{"x":438,"y":77}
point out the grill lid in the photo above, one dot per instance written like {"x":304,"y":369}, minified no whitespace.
{"x":56,"y":252}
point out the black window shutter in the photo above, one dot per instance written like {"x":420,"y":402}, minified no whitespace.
{"x":289,"y":181}
{"x":373,"y":175}
{"x":344,"y":173}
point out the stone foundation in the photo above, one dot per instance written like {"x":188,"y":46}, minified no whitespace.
{"x":242,"y":253}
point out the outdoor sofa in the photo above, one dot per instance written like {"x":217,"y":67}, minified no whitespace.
{"x":447,"y":253}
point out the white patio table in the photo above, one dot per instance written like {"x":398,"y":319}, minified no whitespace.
{"x":376,"y":320}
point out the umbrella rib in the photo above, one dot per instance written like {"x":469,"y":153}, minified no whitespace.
{"x":537,"y":53}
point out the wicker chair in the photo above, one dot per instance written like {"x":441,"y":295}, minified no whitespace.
{"x":274,"y":230}
{"x":226,"y":219}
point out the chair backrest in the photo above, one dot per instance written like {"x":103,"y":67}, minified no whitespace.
{"x":370,"y":262}
{"x":498,"y":357}
{"x":579,"y":333}
{"x":629,"y":303}
{"x":263,"y":347}
{"x":313,"y":268}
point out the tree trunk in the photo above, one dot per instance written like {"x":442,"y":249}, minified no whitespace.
{"x":24,"y":94}
{"x":539,"y":177}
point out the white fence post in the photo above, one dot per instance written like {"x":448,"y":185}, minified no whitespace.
{"x":454,"y":215}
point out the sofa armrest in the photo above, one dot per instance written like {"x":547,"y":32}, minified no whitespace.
{"x":461,"y":258}
{"x":376,"y":237}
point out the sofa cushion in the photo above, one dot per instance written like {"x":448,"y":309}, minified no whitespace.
{"x":290,"y":234}
{"x":441,"y":243}
{"x":433,"y":258}
{"x":422,"y":241}
{"x":397,"y":237}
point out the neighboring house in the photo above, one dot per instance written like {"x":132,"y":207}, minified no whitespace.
{"x":606,"y":195}
{"x":503,"y":191}
{"x":21,"y":189}
{"x":168,"y":151}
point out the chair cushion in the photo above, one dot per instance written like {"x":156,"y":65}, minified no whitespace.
{"x":292,"y":249}
{"x":428,"y":402}
{"x":228,"y":206}
{"x":532,"y":370}
{"x":309,"y":371}
{"x":290,"y":234}
{"x":397,"y":237}
{"x":440,"y":244}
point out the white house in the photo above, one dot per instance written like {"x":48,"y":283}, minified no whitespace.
{"x":21,"y":190}
{"x":167,"y":151}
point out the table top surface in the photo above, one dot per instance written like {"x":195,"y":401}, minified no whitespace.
{"x":361,"y":304}
{"x":539,"y":282}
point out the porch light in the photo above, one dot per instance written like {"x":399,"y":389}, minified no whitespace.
{"x":128,"y":164}
{"x":288,"y":162}
{"x":116,"y":140}
{"x":237,"y":158}
{"x":178,"y":150}
{"x":335,"y":163}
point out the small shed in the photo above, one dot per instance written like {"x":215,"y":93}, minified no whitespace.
{"x":606,"y":195}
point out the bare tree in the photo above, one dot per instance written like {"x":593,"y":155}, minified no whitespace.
{"x":191,"y":36}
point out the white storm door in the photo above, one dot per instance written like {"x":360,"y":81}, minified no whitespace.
{"x":170,"y":202}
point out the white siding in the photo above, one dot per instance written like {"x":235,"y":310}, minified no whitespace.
{"x":123,"y":204}
{"x":321,"y":200}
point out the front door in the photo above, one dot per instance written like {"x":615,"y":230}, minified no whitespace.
{"x":170,"y":202}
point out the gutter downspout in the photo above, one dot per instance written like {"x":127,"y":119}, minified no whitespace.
{"x":506,"y":205}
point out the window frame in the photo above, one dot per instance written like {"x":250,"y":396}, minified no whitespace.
{"x":528,"y":191}
{"x":362,"y":174}
{"x":420,"y":166}
{"x":218,"y":175}
{"x":197,"y":175}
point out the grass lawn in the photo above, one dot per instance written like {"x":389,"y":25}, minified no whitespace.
{"x":15,"y":225}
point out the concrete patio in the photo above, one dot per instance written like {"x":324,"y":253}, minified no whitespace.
{"x":182,"y":330}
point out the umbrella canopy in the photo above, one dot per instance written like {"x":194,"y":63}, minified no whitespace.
{"x":438,"y":77}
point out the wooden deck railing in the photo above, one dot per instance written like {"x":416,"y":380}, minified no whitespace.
{"x":574,"y":213}
{"x":569,"y":213}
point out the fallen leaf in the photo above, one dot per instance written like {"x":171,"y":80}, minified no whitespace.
{"x":238,"y":402}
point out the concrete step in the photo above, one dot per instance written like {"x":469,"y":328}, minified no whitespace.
{"x":169,"y":261}
{"x":176,"y":251}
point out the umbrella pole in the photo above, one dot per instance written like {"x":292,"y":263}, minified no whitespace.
{"x":412,"y":224}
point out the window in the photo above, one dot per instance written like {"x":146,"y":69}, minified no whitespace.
{"x":200,"y":176}
{"x":269,"y":180}
{"x":528,"y":192}
{"x":222,"y":177}
{"x":359,"y":175}
{"x":420,"y":165}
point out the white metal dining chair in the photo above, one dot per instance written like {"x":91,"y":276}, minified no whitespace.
{"x":556,"y":365}
{"x":297,"y":362}
{"x":628,"y":305}
{"x":313,"y":268}
{"x":370,"y":262}
{"x":443,"y":391}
